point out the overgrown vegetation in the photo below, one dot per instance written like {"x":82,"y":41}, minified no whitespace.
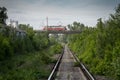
{"x":25,"y":57}
{"x":24,"y":54}
{"x":32,"y":66}
{"x":99,"y":47}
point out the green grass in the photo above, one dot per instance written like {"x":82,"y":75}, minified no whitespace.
{"x":25,"y":67}
{"x":76,"y":64}
{"x":30,"y":66}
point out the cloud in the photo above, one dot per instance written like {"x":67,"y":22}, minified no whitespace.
{"x":34,"y":12}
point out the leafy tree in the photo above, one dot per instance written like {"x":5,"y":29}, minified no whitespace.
{"x":76,"y":26}
{"x":3,"y":15}
{"x":99,"y":47}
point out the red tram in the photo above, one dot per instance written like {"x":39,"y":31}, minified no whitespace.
{"x":55,"y":28}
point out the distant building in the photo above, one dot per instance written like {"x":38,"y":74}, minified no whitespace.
{"x":20,"y":33}
{"x":13,"y":23}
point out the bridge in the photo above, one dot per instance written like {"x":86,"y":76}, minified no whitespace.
{"x":59,"y":32}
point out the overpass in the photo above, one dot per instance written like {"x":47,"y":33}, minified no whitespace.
{"x":59,"y":32}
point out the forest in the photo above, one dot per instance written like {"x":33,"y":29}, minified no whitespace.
{"x":99,"y":47}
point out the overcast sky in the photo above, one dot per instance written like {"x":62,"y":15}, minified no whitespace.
{"x":34,"y":12}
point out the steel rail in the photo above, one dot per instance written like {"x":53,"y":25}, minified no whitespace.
{"x":52,"y":75}
{"x":85,"y":71}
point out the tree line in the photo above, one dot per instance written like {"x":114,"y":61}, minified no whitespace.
{"x":26,"y":56}
{"x":10,"y":44}
{"x":99,"y":47}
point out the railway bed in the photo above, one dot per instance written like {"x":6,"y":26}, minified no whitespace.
{"x":65,"y":68}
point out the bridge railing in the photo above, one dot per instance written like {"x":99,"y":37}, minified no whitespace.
{"x":60,"y":32}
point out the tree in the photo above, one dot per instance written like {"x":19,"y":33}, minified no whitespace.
{"x":3,"y":15}
{"x":76,"y":26}
{"x":99,"y":47}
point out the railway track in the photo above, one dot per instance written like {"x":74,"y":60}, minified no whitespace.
{"x":65,"y":68}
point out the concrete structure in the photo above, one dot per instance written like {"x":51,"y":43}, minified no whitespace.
{"x":14,"y":23}
{"x":13,"y":29}
{"x":58,"y":32}
{"x":20,"y":33}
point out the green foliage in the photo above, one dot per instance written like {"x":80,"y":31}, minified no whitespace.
{"x":99,"y":48}
{"x":56,"y":48}
{"x":5,"y":48}
{"x":32,"y":66}
{"x":18,"y":57}
{"x":25,"y":67}
{"x":76,"y":26}
{"x":3,"y":15}
{"x":29,"y":30}
{"x":40,"y":41}
{"x":24,"y":57}
{"x":12,"y":44}
{"x":76,"y":64}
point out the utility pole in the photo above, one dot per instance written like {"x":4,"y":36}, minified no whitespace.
{"x":47,"y":23}
{"x":116,"y":3}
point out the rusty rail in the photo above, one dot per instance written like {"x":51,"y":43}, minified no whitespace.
{"x":53,"y":73}
{"x":85,"y":71}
